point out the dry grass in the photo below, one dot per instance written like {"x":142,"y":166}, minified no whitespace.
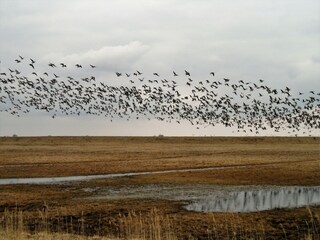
{"x":275,"y":161}
{"x":155,"y":225}
{"x":66,"y":156}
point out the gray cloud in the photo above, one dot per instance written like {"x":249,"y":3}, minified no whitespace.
{"x":274,"y":40}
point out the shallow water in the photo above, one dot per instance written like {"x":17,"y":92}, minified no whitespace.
{"x":213,"y":198}
{"x":197,"y":197}
{"x":55,"y":180}
{"x":258,"y":200}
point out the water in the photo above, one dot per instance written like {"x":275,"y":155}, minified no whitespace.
{"x":198,"y":197}
{"x":56,"y":180}
{"x":216,"y":198}
{"x":258,"y":200}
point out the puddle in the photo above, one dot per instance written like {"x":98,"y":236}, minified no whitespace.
{"x":259,"y":200}
{"x":56,"y":180}
{"x":212,"y":198}
{"x":197,"y":197}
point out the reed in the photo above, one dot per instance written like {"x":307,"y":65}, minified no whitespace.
{"x":153,"y":225}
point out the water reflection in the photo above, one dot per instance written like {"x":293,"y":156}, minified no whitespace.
{"x":259,"y":200}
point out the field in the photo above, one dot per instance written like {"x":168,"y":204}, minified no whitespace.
{"x":77,"y":208}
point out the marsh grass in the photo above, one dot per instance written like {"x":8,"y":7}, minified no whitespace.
{"x":153,"y":225}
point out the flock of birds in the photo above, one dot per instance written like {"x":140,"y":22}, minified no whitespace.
{"x":246,"y":106}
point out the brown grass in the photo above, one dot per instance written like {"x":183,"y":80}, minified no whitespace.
{"x":156,"y":225}
{"x":276,"y":161}
{"x":66,"y":156}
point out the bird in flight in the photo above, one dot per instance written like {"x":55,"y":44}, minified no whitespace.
{"x":203,"y":105}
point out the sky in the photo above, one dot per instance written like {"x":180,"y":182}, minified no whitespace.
{"x":274,"y":40}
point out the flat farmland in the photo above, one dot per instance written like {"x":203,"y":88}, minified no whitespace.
{"x":67,"y":156}
{"x":106,"y":206}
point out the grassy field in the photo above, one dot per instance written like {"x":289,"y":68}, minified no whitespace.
{"x":267,"y":161}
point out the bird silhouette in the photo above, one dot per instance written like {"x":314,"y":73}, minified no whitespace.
{"x":249,"y":107}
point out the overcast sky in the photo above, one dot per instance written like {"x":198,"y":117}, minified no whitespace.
{"x":275,"y":40}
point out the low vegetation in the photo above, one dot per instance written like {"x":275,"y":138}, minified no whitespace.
{"x":70,"y":214}
{"x":153,"y":225}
